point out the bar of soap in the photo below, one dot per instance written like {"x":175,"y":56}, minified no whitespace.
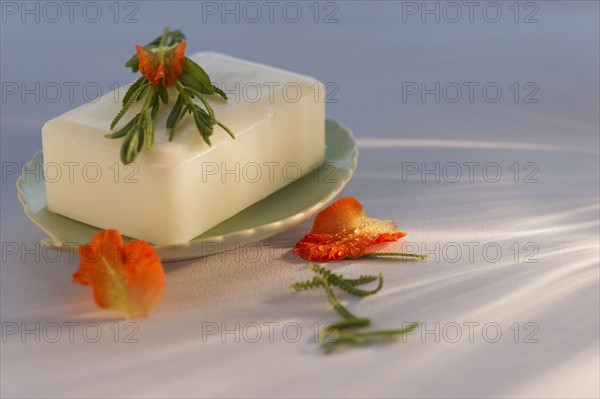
{"x":177,"y":190}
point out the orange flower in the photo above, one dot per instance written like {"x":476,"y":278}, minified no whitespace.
{"x":160,"y":66}
{"x":342,"y":230}
{"x":127,"y":278}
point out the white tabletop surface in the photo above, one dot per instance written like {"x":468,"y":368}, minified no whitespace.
{"x":516,"y":254}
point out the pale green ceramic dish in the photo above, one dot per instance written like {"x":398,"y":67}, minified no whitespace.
{"x":280,"y":211}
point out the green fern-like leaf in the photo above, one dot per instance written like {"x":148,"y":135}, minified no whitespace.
{"x":307,"y":285}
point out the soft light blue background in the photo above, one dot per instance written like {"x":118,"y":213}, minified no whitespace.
{"x":369,"y":53}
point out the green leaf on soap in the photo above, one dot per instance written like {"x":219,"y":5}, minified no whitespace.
{"x":133,"y":88}
{"x":220,"y":92}
{"x":195,"y":94}
{"x":132,"y":98}
{"x":140,"y":129}
{"x":142,"y":92}
{"x":204,"y":123}
{"x":132,"y":145}
{"x":175,"y":112}
{"x":195,"y":77}
{"x":229,"y":132}
{"x":155,"y":106}
{"x":163,"y":93}
{"x":124,"y":130}
{"x":148,"y":128}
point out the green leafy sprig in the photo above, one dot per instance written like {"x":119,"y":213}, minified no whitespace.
{"x":194,"y":83}
{"x":347,"y":330}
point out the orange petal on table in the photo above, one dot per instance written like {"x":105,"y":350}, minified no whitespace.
{"x":128,"y":278}
{"x":166,"y":73}
{"x":342,"y":230}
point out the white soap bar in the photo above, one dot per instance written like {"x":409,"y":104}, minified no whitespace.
{"x":180,"y":189}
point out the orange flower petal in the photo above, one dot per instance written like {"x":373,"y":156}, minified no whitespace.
{"x":166,"y":72}
{"x":128,"y":278}
{"x":342,"y":230}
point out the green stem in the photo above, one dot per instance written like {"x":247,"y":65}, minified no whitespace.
{"x":350,"y":323}
{"x":163,"y":39}
{"x":184,"y":95}
{"x":342,"y":336}
{"x":150,"y":97}
{"x":207,"y":106}
{"x":361,"y":280}
{"x":161,"y":45}
{"x":202,"y":99}
{"x":229,"y":132}
{"x":345,"y":313}
{"x":393,"y":254}
{"x":388,"y":334}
